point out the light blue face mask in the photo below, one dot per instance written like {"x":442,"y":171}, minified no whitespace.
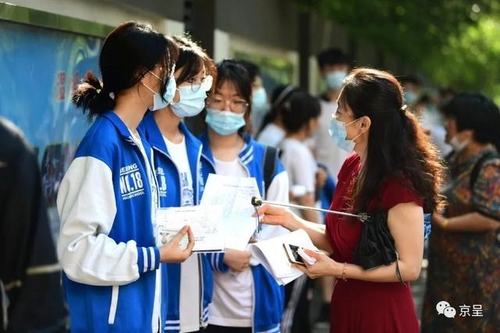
{"x":338,"y":133}
{"x":334,"y":80}
{"x":158,"y":101}
{"x":224,"y":122}
{"x":259,"y":100}
{"x":409,"y":97}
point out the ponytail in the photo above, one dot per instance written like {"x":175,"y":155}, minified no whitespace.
{"x":92,"y":97}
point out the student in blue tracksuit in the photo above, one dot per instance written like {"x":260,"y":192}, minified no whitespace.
{"x":177,"y":157}
{"x":106,"y":201}
{"x":246,"y":297}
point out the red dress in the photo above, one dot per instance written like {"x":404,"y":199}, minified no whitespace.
{"x":360,"y":306}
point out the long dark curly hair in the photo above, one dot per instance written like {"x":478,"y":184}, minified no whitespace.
{"x":397,"y":145}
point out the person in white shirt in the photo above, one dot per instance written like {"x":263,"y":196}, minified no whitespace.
{"x":272,"y":130}
{"x":260,"y":105}
{"x":300,"y":112}
{"x":333,"y":66}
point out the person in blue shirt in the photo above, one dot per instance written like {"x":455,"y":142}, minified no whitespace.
{"x":107,"y":199}
{"x":177,"y":159}
{"x":246,"y":297}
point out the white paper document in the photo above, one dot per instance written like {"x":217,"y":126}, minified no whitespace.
{"x":234,"y":196}
{"x":271,"y":254}
{"x":205,"y":221}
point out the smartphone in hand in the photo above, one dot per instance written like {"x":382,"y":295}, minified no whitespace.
{"x":292,"y":254}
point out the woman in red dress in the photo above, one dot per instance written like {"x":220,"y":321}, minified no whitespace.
{"x":393,"y":168}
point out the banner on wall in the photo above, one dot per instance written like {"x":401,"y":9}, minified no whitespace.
{"x":39,"y":70}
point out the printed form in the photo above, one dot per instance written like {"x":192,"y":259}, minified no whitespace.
{"x":224,"y":218}
{"x":205,"y":222}
{"x":234,"y":196}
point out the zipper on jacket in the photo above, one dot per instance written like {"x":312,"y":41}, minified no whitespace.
{"x":253,"y":301}
{"x":198,"y":170}
{"x":200,"y":272}
{"x":113,"y":305}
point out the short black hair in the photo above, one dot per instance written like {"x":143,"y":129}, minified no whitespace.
{"x":299,"y":108}
{"x":252,"y":69}
{"x":410,"y":78}
{"x":475,"y":112}
{"x":332,"y":56}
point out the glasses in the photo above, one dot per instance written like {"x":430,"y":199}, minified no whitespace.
{"x":197,"y":83}
{"x":235,"y":105}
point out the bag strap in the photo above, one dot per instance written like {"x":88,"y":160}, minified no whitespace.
{"x":478,"y":166}
{"x":269,"y":167}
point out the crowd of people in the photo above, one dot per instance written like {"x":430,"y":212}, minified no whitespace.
{"x":371,"y":142}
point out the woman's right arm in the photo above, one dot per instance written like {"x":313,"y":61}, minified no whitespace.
{"x":284,"y":217}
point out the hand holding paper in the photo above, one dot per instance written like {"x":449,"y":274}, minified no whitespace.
{"x":173,"y":251}
{"x":205,"y":223}
{"x":271,"y":254}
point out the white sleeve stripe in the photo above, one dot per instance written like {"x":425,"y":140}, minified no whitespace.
{"x":214,"y":261}
{"x":145,"y":256}
{"x":153,"y":259}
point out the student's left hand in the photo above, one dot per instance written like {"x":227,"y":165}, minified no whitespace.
{"x":324,"y":265}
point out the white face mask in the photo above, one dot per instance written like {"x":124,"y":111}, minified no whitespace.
{"x":192,"y":99}
{"x":457,"y":145}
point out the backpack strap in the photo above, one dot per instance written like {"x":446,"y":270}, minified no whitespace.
{"x":478,"y":166}
{"x":269,"y":166}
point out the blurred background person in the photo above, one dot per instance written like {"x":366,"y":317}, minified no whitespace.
{"x":300,"y":112}
{"x":432,"y":121}
{"x":272,"y":131}
{"x":300,"y":121}
{"x":446,"y":94}
{"x":260,"y":105}
{"x":411,"y":89}
{"x":464,"y":248}
{"x":333,"y":66}
{"x":30,"y":291}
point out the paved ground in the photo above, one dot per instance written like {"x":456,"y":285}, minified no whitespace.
{"x":418,"y":289}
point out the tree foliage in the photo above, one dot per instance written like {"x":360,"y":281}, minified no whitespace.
{"x":453,"y":41}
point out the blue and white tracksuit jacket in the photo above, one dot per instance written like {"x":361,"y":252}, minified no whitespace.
{"x":106,"y":245}
{"x":268,"y":295}
{"x":170,"y":196}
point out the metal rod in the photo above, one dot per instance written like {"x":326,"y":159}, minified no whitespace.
{"x":258,"y":201}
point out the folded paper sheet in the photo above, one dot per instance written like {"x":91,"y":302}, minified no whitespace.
{"x":271,"y":254}
{"x":205,"y":221}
